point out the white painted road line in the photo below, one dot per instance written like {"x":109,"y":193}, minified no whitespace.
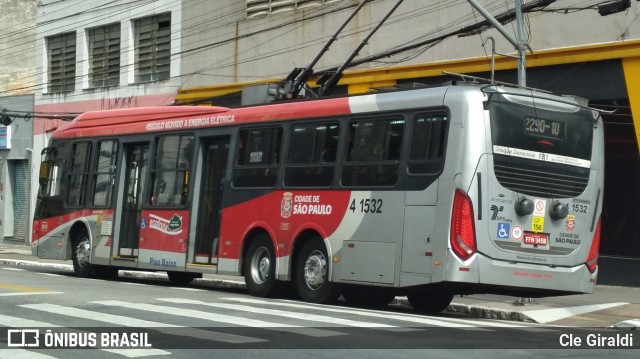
{"x":222,"y":318}
{"x":128,"y":321}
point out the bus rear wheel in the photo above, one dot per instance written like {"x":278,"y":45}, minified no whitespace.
{"x":430,"y":301}
{"x":312,"y":274}
{"x":81,"y":254}
{"x":260,"y":268}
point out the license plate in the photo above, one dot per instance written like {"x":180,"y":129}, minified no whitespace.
{"x":536,"y":239}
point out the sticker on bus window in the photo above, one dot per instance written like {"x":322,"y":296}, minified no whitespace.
{"x":255,"y":157}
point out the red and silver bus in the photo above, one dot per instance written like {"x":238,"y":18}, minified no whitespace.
{"x":427,"y":193}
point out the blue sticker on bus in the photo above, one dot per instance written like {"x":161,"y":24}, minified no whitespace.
{"x":503,"y":230}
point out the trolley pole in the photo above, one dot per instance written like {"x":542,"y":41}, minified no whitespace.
{"x":518,"y":42}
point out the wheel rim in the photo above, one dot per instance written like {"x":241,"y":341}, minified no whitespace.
{"x":260,"y":265}
{"x":315,"y":270}
{"x":83,"y":253}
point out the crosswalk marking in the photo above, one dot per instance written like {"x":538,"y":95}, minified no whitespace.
{"x":17,"y":322}
{"x":361,"y":312}
{"x":139,"y":323}
{"x":22,"y":354}
{"x":14,"y":269}
{"x":282,"y":313}
{"x":222,"y":318}
{"x":17,"y":294}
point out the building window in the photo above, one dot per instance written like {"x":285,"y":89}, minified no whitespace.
{"x":104,"y":56}
{"x":152,"y":47}
{"x":61,"y":61}
{"x":256,"y":8}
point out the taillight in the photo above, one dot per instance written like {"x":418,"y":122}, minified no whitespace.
{"x":463,"y":234}
{"x":592,"y":259}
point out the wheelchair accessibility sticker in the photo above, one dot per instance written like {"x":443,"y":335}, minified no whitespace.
{"x":503,"y":230}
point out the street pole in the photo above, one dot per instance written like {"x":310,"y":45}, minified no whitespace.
{"x":518,"y":42}
{"x":522,"y":56}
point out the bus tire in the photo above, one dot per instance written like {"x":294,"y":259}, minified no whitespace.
{"x":81,"y":254}
{"x":368,"y":297}
{"x":430,"y":301}
{"x":182,"y":278}
{"x":312,"y":274}
{"x":260,"y":267}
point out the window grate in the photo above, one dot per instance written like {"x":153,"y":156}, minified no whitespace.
{"x":104,"y":56}
{"x":153,"y":48}
{"x":258,"y":8}
{"x":61,"y":57}
{"x":540,"y":179}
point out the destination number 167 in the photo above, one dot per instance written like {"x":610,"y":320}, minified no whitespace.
{"x":370,"y":205}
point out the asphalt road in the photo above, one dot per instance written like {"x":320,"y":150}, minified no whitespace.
{"x":153,"y":318}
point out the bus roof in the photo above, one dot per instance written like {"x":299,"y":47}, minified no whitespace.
{"x":166,"y":118}
{"x":176,"y":118}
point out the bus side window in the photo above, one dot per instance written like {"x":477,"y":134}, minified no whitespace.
{"x":170,"y":173}
{"x":79,"y":174}
{"x":258,"y":157}
{"x":373,"y":152}
{"x":49,"y":179}
{"x":105,"y":173}
{"x":312,"y":154}
{"x":428,"y":143}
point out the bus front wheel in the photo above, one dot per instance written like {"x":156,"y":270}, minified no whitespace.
{"x":260,"y":268}
{"x":312,"y":274}
{"x":81,"y":254}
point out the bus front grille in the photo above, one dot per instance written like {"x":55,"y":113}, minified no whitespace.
{"x":540,"y":179}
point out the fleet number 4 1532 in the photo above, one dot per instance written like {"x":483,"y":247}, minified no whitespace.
{"x":369,"y":205}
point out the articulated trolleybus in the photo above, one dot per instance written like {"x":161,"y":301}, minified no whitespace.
{"x":427,"y":193}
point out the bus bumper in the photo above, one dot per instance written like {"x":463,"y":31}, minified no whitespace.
{"x":502,"y":277}
{"x":570,"y":279}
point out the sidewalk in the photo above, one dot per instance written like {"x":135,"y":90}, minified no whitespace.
{"x":608,"y":306}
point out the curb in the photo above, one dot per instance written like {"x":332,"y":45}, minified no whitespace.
{"x":218,"y":283}
{"x":475,"y":311}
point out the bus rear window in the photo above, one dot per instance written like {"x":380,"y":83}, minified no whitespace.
{"x":532,"y":124}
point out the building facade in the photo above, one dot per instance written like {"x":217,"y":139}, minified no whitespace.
{"x":97,"y":55}
{"x":17,"y":69}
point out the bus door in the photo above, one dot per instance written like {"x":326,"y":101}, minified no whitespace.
{"x":136,"y":162}
{"x":215,"y":152}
